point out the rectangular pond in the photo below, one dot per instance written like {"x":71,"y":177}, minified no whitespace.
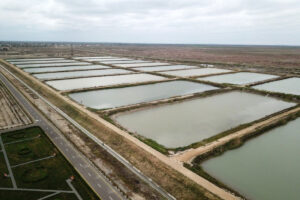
{"x":187,"y":122}
{"x":265,"y":167}
{"x":96,"y":57}
{"x":239,"y":78}
{"x":42,"y":61}
{"x":116,"y":97}
{"x":67,"y":68}
{"x":102,"y":81}
{"x":81,"y":73}
{"x":32,"y":59}
{"x":53,"y":64}
{"x":107,"y":59}
{"x":195,"y":72}
{"x":123,"y":61}
{"x":287,"y":86}
{"x":141,"y":64}
{"x":165,"y":68}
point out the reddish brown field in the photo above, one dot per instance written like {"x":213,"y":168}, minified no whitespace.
{"x":281,"y":59}
{"x":278,"y":59}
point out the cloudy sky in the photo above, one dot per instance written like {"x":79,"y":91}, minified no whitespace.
{"x":152,"y":21}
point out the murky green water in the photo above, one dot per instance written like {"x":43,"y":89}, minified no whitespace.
{"x":68,"y":68}
{"x":239,"y":78}
{"x":102,"y":81}
{"x":184,"y":123}
{"x":264,"y":168}
{"x":163,"y":68}
{"x":195,"y":72}
{"x":117,"y":97}
{"x":81,"y":73}
{"x":287,"y":86}
{"x":53,"y":64}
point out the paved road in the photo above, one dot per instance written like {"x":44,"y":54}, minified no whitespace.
{"x":103,"y":145}
{"x":93,"y":177}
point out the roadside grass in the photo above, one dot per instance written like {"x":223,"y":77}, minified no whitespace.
{"x":20,"y":135}
{"x":51,"y":173}
{"x":4,"y":182}
{"x":25,"y":151}
{"x":62,"y":196}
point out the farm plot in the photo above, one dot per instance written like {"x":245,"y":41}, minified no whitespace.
{"x":34,"y":168}
{"x":11,"y":114}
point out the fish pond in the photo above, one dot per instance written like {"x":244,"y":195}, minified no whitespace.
{"x":239,"y":78}
{"x":287,"y":86}
{"x":265,"y":167}
{"x":79,"y":83}
{"x":183,"y":123}
{"x":116,"y":97}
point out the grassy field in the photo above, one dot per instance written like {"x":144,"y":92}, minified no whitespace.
{"x":29,"y":145}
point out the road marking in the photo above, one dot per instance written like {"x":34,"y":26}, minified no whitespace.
{"x":89,"y":174}
{"x":111,"y":198}
{"x":99,"y":185}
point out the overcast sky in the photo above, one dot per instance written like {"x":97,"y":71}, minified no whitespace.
{"x":152,"y":21}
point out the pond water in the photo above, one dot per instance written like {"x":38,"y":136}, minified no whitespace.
{"x":107,"y":59}
{"x":123,"y":61}
{"x":287,"y":86}
{"x":99,"y":57}
{"x":239,"y":78}
{"x":42,"y":61}
{"x":265,"y":167}
{"x":67,"y":68}
{"x":33,"y":59}
{"x":141,"y":64}
{"x":164,"y":68}
{"x":181,"y":124}
{"x":53,"y":64}
{"x":81,"y":73}
{"x":102,"y":81}
{"x":110,"y":98}
{"x":195,"y":72}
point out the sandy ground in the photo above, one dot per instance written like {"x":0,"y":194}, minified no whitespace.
{"x":190,"y":154}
